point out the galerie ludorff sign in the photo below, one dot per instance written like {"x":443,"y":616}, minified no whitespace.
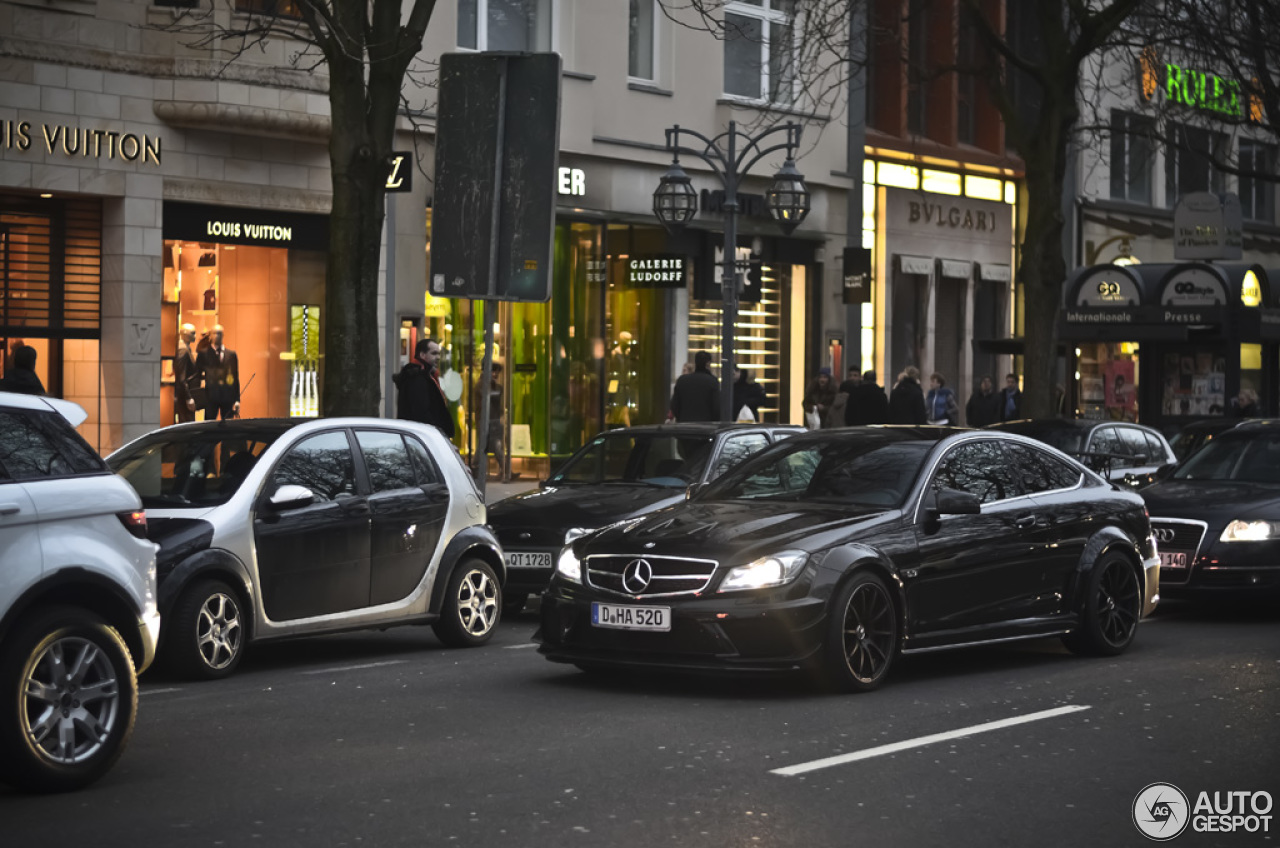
{"x":1206,"y":226}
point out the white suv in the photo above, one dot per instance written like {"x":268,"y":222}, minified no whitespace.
{"x":77,"y":600}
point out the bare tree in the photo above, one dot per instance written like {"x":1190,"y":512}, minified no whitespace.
{"x":369,"y":48}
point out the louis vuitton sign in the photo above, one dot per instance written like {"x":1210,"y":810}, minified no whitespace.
{"x":79,"y":143}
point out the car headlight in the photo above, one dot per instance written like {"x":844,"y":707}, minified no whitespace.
{"x":568,"y":566}
{"x":772,"y":570}
{"x":1250,"y":531}
{"x":575,"y":533}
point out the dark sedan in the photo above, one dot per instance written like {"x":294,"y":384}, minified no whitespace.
{"x":618,"y":475}
{"x":837,"y":551}
{"x":1217,"y":518}
{"x":1120,"y":451}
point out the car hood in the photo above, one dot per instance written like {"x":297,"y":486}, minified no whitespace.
{"x":562,"y":507}
{"x":1212,"y":501}
{"x":731,"y":530}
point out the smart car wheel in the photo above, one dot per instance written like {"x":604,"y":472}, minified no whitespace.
{"x":1112,"y":608}
{"x":472,"y":602}
{"x":69,"y":701}
{"x":205,"y":639}
{"x":862,"y":635}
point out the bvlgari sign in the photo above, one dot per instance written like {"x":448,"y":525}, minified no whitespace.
{"x":80,"y":143}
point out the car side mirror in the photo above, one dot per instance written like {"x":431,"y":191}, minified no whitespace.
{"x":290,"y":496}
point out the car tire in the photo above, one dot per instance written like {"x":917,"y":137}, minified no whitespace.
{"x":472,"y":605}
{"x":1111,"y":610}
{"x":40,"y":706}
{"x":205,"y":633}
{"x":513,"y":603}
{"x":862,"y":635}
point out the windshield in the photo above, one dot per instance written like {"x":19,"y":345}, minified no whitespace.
{"x":659,"y":459}
{"x":1244,"y":460}
{"x":863,"y":472}
{"x":189,"y":467}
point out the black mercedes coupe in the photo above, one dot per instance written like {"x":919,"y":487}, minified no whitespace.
{"x":837,"y":551}
{"x":619,"y":474}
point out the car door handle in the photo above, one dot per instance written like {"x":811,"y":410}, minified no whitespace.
{"x":361,"y":508}
{"x":1024,"y":521}
{"x":10,"y":508}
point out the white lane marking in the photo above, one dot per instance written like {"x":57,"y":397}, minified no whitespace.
{"x":518,"y":647}
{"x":920,"y":741}
{"x":352,"y":667}
{"x":142,"y":692}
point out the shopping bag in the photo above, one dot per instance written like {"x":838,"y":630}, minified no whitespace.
{"x":746,"y":416}
{"x":813,"y":420}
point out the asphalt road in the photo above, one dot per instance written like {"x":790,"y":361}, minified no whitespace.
{"x":389,"y":739}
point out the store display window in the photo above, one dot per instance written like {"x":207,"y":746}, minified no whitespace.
{"x":1107,"y":377}
{"x":1193,"y":382}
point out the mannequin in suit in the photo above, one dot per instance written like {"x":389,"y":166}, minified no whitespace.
{"x":187,"y":394}
{"x":221,"y":378}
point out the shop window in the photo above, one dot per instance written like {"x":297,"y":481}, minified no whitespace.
{"x":1257,"y":186}
{"x":274,"y":8}
{"x":1188,"y":162}
{"x":1107,"y":374}
{"x":1131,"y":157}
{"x":759,"y":50}
{"x":518,"y":25}
{"x":1194,"y":382}
{"x":640,"y":39}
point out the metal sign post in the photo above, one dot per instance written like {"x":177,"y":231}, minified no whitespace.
{"x":399,"y":179}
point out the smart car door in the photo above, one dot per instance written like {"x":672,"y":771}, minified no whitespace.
{"x":313,"y":559}
{"x":407,"y":507}
{"x":972,"y":569}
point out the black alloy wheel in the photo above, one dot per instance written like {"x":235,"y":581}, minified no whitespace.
{"x":1112,"y":609}
{"x":68,"y":700}
{"x":862,"y":635}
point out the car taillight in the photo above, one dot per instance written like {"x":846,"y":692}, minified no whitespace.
{"x":135,"y":522}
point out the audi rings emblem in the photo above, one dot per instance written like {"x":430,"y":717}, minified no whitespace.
{"x":636,"y":576}
{"x":1163,"y":534}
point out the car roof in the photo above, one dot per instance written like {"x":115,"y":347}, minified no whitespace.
{"x":73,"y":412}
{"x":701,"y":427}
{"x":1041,"y":425}
{"x":1215,"y":425}
{"x":887,"y":432}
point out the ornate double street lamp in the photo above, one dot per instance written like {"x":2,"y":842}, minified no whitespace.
{"x":731,"y":155}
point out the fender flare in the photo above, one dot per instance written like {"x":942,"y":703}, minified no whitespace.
{"x":477,"y":540}
{"x":79,"y":586}
{"x":843,"y":562}
{"x":1105,"y":540}
{"x":211,"y":562}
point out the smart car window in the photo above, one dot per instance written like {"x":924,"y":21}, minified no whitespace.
{"x":386,"y":459}
{"x":1041,"y":472}
{"x":185,"y":466}
{"x":736,"y":449}
{"x":423,"y":465}
{"x":983,"y":469}
{"x":322,"y":463}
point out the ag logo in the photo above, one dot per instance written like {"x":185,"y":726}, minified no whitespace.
{"x":1161,"y":812}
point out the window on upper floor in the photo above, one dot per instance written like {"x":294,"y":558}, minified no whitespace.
{"x":1257,"y":195}
{"x":521,"y":25}
{"x":917,"y":70}
{"x":280,"y":8}
{"x":1188,"y":162}
{"x":759,"y":50}
{"x":640,"y":39}
{"x":1132,"y":150}
{"x":967,"y":52}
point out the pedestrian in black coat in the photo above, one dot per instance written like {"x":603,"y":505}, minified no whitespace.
{"x":1010,"y":399}
{"x":983,"y":407}
{"x":418,"y":393}
{"x":697,"y":395}
{"x":906,"y":401}
{"x":867,"y":403}
{"x":747,"y":392}
{"x":21,"y":376}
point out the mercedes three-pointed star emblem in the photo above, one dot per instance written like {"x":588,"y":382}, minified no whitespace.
{"x":636,"y":576}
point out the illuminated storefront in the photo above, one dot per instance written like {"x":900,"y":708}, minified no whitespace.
{"x":1171,"y":343}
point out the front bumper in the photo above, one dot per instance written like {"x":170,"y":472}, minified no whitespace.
{"x":1151,"y":584}
{"x":766,"y":632}
{"x":1226,"y":568}
{"x":149,"y":637}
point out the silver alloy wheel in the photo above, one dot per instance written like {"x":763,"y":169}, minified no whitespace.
{"x":218,"y":630}
{"x":477,"y":602}
{"x":72,"y":701}
{"x":868,"y":632}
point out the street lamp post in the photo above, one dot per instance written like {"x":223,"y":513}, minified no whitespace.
{"x":730,"y":156}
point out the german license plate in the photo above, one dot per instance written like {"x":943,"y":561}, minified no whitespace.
{"x":1173,"y":559}
{"x":631,"y":618}
{"x":528,"y":559}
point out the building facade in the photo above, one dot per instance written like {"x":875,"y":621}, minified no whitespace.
{"x":147,"y":184}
